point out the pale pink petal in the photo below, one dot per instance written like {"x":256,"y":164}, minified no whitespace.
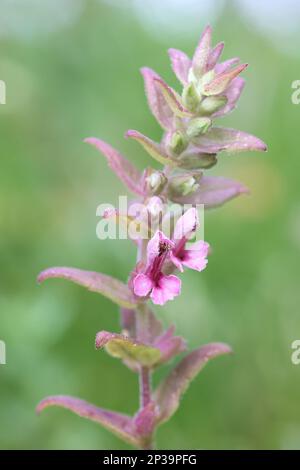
{"x":180,"y":64}
{"x":167,"y":288}
{"x":195,"y":257}
{"x":142,"y":285}
{"x":176,"y":261}
{"x":186,"y":224}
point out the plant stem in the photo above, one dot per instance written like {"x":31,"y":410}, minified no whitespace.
{"x":145,"y":386}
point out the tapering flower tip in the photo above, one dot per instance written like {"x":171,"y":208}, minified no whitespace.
{"x":181,"y":64}
{"x":202,"y":53}
{"x":124,"y":170}
{"x":186,"y":225}
{"x":154,"y":150}
{"x":156,"y":100}
{"x":108,"y":286}
{"x":221,"y":81}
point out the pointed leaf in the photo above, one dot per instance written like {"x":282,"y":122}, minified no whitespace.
{"x":219,"y":139}
{"x":119,"y":424}
{"x":232,"y":94}
{"x":172,"y":99}
{"x":125,"y":348}
{"x":156,"y":101}
{"x":155,"y":150}
{"x":220,"y":82}
{"x":201,"y":56}
{"x":181,"y":65}
{"x":226,"y":65}
{"x":125,"y":171}
{"x":215,"y":55}
{"x":169,"y":345}
{"x":213,"y":192}
{"x":169,"y":392}
{"x":112,"y":288}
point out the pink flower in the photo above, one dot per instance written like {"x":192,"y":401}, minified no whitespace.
{"x":153,"y":283}
{"x":196,"y":256}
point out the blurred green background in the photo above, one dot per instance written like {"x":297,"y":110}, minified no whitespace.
{"x":72,"y":70}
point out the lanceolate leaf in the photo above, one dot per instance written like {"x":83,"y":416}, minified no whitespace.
{"x":119,"y":424}
{"x":108,"y":286}
{"x":157,"y":103}
{"x":155,"y":150}
{"x":219,"y":139}
{"x":125,"y":171}
{"x":220,"y":82}
{"x":125,"y":348}
{"x":213,"y":192}
{"x":201,"y":56}
{"x":169,"y":392}
{"x":173,"y":99}
{"x":180,"y":64}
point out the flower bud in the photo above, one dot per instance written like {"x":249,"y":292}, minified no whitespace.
{"x":212,"y":104}
{"x":177,"y":143}
{"x":194,"y":160}
{"x":198,"y":126}
{"x":183,"y":185}
{"x":155,"y":182}
{"x":191,"y":97}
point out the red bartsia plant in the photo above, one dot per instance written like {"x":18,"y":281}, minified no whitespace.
{"x":190,"y":145}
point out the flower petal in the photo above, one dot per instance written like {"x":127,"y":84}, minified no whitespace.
{"x":169,"y":392}
{"x":108,"y":286}
{"x":213,"y":192}
{"x":125,"y":171}
{"x":119,"y":424}
{"x":142,"y":285}
{"x":157,"y":103}
{"x":195,"y":257}
{"x":186,"y":225}
{"x":181,"y":64}
{"x":167,"y":288}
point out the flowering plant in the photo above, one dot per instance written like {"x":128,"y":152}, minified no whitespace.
{"x":190,"y":145}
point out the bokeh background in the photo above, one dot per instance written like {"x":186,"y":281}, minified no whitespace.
{"x":71,"y":69}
